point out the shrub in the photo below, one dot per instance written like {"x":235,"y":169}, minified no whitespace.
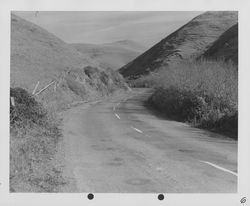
{"x":202,"y":92}
{"x":90,"y":71}
{"x":203,"y":111}
{"x":26,"y":108}
{"x":76,"y":86}
{"x":181,"y":105}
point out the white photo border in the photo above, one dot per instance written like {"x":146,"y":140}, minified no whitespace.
{"x":180,"y":199}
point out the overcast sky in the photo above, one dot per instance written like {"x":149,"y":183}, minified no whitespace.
{"x":97,"y":27}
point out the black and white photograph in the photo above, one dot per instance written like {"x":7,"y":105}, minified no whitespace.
{"x":136,"y":102}
{"x":123,"y":102}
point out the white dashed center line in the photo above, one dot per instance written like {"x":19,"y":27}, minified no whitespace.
{"x":220,"y":168}
{"x":159,"y":168}
{"x":117,"y":116}
{"x":136,"y":129}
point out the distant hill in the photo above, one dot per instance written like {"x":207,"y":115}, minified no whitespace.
{"x":127,"y":44}
{"x":111,"y":55}
{"x":192,"y":39}
{"x":225,"y":47}
{"x":37,"y":55}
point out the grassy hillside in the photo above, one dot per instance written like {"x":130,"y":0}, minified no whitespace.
{"x":37,"y":55}
{"x":111,"y":55}
{"x":225,"y":47}
{"x":191,"y":39}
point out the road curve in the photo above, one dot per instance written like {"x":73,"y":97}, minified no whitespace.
{"x":117,"y":145}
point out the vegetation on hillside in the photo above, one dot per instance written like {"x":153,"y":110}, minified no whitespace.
{"x":101,"y":82}
{"x":192,"y":39}
{"x":225,"y":47}
{"x":39,"y":56}
{"x":34,"y":135}
{"x":204,"y":93}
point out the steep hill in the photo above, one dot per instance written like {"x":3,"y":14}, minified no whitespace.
{"x":37,"y":55}
{"x":226,"y":47}
{"x":111,"y":55}
{"x":192,"y":39}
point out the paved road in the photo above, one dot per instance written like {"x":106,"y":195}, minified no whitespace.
{"x":117,"y":145}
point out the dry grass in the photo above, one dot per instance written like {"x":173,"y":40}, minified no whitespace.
{"x":34,"y":135}
{"x":202,"y":92}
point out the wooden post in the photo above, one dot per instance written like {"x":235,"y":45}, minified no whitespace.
{"x":12,"y":101}
{"x":34,"y":91}
{"x":45,"y":87}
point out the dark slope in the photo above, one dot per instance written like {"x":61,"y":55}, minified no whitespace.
{"x":226,"y":47}
{"x":192,"y":39}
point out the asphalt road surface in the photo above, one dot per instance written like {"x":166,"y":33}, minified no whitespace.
{"x":117,"y":145}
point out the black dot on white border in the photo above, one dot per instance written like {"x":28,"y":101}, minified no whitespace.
{"x":90,"y":196}
{"x":160,"y":197}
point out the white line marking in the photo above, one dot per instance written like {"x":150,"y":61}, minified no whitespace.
{"x":220,"y":168}
{"x":117,"y":116}
{"x":136,"y":129}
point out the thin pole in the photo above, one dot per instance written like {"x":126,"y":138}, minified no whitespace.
{"x":34,"y":91}
{"x":45,"y":88}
